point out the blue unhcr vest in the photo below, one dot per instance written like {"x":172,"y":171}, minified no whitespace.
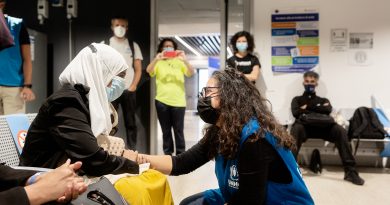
{"x":11,"y":71}
{"x":227,"y":174}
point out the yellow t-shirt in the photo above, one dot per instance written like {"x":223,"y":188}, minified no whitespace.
{"x":170,"y":81}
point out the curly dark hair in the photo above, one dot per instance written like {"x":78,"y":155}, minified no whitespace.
{"x":249,"y":38}
{"x":161,"y":44}
{"x":240,"y":101}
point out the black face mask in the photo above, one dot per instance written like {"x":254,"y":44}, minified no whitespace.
{"x":310,"y":88}
{"x":206,"y":112}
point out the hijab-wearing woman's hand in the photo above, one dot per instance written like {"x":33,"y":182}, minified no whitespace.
{"x":142,"y":159}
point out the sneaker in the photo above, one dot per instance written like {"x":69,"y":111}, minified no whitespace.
{"x":353,"y":177}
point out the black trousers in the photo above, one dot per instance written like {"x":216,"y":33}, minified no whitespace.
{"x":171,"y":117}
{"x":128,"y":103}
{"x":334,"y":133}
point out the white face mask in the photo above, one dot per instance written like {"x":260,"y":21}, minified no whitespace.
{"x":119,"y":31}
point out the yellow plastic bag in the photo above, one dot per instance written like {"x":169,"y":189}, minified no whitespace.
{"x":149,"y":188}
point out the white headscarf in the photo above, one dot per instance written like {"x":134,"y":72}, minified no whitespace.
{"x":95,"y":70}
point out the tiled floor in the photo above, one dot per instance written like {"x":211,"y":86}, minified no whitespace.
{"x":328,"y":188}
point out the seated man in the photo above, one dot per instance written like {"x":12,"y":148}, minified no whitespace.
{"x":309,"y":102}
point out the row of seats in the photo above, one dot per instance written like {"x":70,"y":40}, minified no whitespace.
{"x":368,"y":152}
{"x":8,"y":152}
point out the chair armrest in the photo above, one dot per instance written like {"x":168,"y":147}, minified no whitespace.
{"x":38,"y":169}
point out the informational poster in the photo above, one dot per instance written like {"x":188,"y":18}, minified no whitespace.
{"x":361,"y":40}
{"x":361,"y":49}
{"x":295,"y":41}
{"x":339,"y":40}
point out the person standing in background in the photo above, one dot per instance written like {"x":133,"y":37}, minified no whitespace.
{"x":243,"y":60}
{"x":169,"y":67}
{"x":133,"y":56}
{"x":15,"y":69}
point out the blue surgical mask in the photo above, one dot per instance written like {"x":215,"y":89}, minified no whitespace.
{"x":116,"y":89}
{"x":168,"y":49}
{"x":310,"y":88}
{"x":241,"y":46}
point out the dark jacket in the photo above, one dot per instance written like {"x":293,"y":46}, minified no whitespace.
{"x":313,"y":102}
{"x":12,"y":182}
{"x":62,"y":129}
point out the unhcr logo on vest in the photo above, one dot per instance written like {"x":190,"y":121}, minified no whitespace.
{"x":233,"y":179}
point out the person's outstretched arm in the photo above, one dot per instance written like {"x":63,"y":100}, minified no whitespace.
{"x":184,"y":163}
{"x":74,"y":134}
{"x":162,"y":163}
{"x":70,"y":130}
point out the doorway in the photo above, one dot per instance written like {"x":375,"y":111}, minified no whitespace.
{"x":201,"y":28}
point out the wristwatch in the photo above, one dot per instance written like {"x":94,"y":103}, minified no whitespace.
{"x":27,"y":86}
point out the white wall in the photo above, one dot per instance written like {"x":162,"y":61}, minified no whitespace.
{"x":191,"y":29}
{"x":343,"y":84}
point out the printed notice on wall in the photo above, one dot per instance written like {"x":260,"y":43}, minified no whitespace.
{"x":338,"y":40}
{"x":295,"y":41}
{"x":361,"y":40}
{"x":361,"y":47}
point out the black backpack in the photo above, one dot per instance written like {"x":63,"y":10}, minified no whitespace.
{"x":365,"y":124}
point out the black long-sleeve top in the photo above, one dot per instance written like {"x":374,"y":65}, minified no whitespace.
{"x":314,"y":104}
{"x":62,"y":129}
{"x":12,"y":182}
{"x":258,"y":162}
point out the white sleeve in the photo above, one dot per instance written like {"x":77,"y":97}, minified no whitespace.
{"x":137,"y":52}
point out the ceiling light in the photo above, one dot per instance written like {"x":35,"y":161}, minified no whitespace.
{"x":188,"y":46}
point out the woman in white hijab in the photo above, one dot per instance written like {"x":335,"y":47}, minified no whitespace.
{"x":71,"y":119}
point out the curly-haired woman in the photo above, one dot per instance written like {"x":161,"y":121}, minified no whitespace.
{"x":243,"y":60}
{"x":253,"y":161}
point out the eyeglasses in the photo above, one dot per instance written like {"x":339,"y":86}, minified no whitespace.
{"x":206,"y":91}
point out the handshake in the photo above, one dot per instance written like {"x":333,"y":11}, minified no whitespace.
{"x":135,"y":156}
